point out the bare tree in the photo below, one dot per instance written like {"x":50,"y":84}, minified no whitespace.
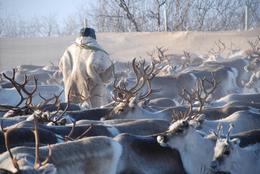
{"x":49,"y":26}
{"x":136,"y":15}
{"x":71,"y":26}
{"x":157,"y":14}
{"x":201,"y":10}
{"x":180,"y":14}
{"x":130,"y":16}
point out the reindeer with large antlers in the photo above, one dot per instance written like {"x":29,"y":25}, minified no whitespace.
{"x":125,"y":97}
{"x":162,"y":60}
{"x":42,"y":110}
{"x":187,"y":134}
{"x":129,"y":102}
{"x":27,"y":94}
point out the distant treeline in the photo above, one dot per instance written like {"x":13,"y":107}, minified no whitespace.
{"x":141,"y":15}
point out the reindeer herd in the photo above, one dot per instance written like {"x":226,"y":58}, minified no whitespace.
{"x":177,"y":114}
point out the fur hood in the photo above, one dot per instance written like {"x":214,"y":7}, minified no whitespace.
{"x":87,"y":41}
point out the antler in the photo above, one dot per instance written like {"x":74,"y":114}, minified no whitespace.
{"x":221,"y":47}
{"x":37,"y":162}
{"x":148,"y":73}
{"x":161,"y":53}
{"x":55,"y":97}
{"x":255,"y":47}
{"x":144,"y":75}
{"x":200,"y":94}
{"x":69,"y":138}
{"x":43,"y":114}
{"x":20,"y":88}
{"x":13,"y":159}
{"x":217,"y":133}
{"x":63,"y":112}
{"x":231,"y":126}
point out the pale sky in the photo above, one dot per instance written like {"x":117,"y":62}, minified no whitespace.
{"x":27,"y":9}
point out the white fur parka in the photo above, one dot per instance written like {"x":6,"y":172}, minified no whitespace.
{"x":86,"y":68}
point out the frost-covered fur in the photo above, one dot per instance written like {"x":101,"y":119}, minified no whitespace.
{"x":86,"y":71}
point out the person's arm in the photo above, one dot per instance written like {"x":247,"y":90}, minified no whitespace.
{"x":102,"y":66}
{"x":66,"y":64}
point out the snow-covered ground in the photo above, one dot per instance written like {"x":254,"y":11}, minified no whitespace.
{"x":121,"y":46}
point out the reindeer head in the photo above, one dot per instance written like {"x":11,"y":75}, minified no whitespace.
{"x":187,"y":123}
{"x":180,"y":130}
{"x":127,"y":99}
{"x":254,"y":65}
{"x":223,"y":150}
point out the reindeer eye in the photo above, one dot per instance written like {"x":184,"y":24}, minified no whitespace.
{"x":179,"y":130}
{"x":185,"y":124}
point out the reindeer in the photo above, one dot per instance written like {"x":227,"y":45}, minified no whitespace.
{"x":142,"y":154}
{"x":231,"y":98}
{"x":230,"y":157}
{"x":187,"y":136}
{"x":238,"y":67}
{"x":22,"y":135}
{"x":23,"y":92}
{"x":88,"y":155}
{"x":216,"y":113}
{"x":130,"y":103}
{"x":196,"y":150}
{"x":188,"y":133}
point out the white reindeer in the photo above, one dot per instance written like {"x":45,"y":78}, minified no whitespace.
{"x":229,"y":157}
{"x":196,"y":150}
